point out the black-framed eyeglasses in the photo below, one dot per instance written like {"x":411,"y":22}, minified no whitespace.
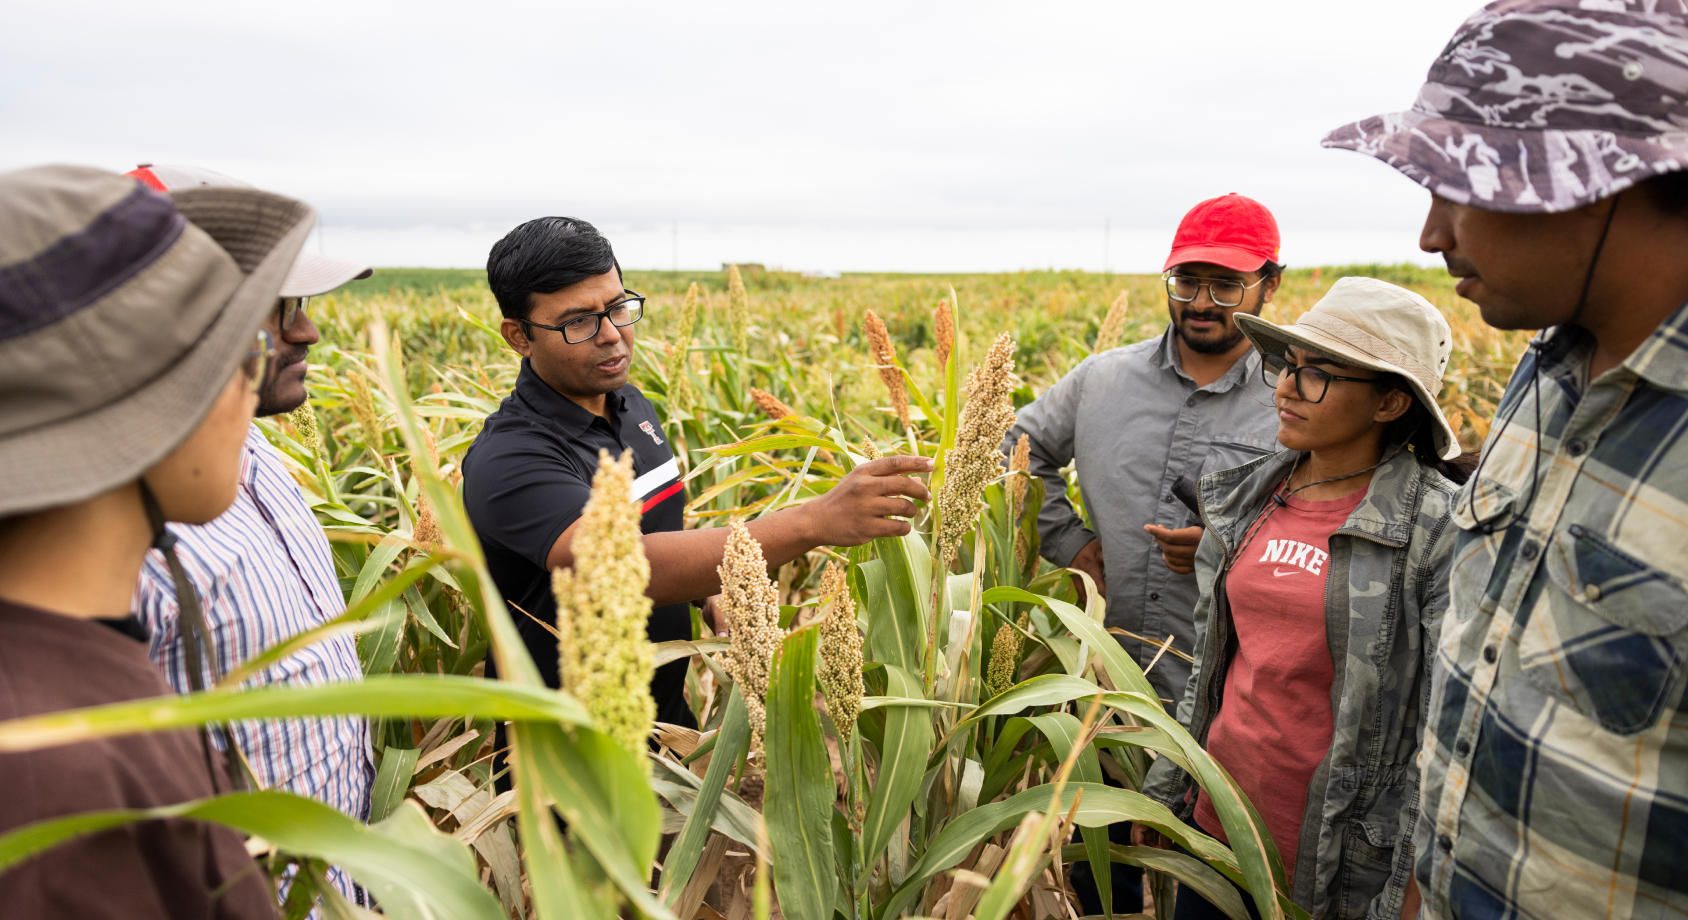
{"x":1225,"y":292}
{"x":584,"y":328}
{"x":256,"y":364}
{"x":1311,"y":383}
{"x":290,"y":309}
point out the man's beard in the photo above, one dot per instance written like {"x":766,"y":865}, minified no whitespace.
{"x":1209,"y":345}
{"x":270,"y":401}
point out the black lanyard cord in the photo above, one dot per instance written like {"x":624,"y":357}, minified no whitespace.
{"x":195,"y":635}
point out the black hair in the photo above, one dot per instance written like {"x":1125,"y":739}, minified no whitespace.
{"x":1418,"y":428}
{"x":1669,"y":193}
{"x":1270,"y":270}
{"x":543,"y":255}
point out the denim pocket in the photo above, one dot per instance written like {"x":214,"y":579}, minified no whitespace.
{"x":1607,"y":633}
{"x":1368,"y":857}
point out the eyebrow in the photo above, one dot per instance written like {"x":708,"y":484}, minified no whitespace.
{"x":1308,"y":357}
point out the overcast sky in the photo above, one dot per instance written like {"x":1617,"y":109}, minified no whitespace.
{"x":851,"y":137}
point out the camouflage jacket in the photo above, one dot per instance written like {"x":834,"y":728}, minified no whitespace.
{"x":1393,"y":556}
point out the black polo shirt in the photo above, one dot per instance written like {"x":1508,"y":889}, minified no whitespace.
{"x":526,"y":479}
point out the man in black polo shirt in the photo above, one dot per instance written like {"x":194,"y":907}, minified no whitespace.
{"x":528,"y":475}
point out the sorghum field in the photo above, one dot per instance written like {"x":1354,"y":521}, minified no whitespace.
{"x":918,"y":727}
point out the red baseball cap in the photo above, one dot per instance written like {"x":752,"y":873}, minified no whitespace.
{"x":1233,"y":231}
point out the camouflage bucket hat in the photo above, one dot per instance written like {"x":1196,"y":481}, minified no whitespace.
{"x":1539,"y":106}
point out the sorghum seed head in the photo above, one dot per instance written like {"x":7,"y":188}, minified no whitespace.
{"x":1005,"y":658}
{"x":870,"y":450}
{"x":1107,"y":336}
{"x":841,"y":652}
{"x":305,"y":425}
{"x":688,"y":314}
{"x":738,"y":310}
{"x":363,"y":409}
{"x":772,"y":406}
{"x":943,"y":333}
{"x":605,"y":659}
{"x":1018,"y":463}
{"x":976,"y":459}
{"x":751,"y":602}
{"x":890,"y":374}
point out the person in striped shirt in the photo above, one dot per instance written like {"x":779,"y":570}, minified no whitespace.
{"x":528,"y":474}
{"x":263,"y":573}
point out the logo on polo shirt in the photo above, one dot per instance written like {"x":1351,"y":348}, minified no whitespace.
{"x":1296,"y":553}
{"x":647,"y":428}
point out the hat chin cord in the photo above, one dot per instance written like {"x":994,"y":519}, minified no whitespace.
{"x":1535,"y":382}
{"x":195,"y":636}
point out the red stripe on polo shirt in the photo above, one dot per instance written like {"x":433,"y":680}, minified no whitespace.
{"x":659,"y":497}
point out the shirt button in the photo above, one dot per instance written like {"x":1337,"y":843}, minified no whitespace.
{"x":1167,"y":498}
{"x":1154,"y":596}
{"x":1576,"y":530}
{"x":1576,"y":447}
{"x":1489,"y":654}
{"x":1529,"y":551}
{"x":1444,"y":842}
{"x":1462,"y":748}
{"x":1591,"y":591}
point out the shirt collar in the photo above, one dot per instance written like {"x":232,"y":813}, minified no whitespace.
{"x":556,"y":407}
{"x":1166,"y":358}
{"x":1661,"y":359}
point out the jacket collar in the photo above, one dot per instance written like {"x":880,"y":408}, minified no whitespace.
{"x":1232,"y":499}
{"x":556,"y":408}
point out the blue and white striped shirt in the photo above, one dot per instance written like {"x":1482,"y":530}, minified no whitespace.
{"x":264,"y":573}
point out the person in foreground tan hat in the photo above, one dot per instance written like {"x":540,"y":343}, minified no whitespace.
{"x":1323,"y":578}
{"x":263,"y":571}
{"x":131,"y":353}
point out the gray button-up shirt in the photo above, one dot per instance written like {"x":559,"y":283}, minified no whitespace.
{"x":1136,"y":423}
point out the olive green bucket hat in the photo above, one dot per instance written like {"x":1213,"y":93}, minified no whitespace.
{"x":123,"y":314}
{"x":1365,"y":322}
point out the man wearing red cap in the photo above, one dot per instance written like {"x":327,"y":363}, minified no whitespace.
{"x":1143,"y":419}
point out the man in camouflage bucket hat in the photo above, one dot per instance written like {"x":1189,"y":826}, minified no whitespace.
{"x":1553,"y":137}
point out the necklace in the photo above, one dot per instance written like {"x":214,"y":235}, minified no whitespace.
{"x":1281,"y":498}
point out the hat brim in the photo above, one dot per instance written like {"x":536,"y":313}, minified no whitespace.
{"x":77,"y":459}
{"x":1271,"y":338}
{"x":1228,"y":257}
{"x":1513,"y":170}
{"x":314,"y":273}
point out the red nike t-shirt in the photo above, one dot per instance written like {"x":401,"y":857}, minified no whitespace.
{"x":1275,"y":724}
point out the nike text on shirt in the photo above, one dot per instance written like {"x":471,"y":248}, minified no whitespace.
{"x":1292,"y":552}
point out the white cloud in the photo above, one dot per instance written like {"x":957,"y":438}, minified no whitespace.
{"x":936,"y":136}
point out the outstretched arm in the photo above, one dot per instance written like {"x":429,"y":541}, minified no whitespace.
{"x":858,"y":509}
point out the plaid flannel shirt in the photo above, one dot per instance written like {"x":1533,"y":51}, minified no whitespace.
{"x":1556,"y":755}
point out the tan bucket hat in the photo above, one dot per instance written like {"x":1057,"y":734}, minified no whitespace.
{"x":1376,"y":325}
{"x":123,"y":313}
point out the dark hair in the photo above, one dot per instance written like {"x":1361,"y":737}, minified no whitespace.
{"x":1270,"y":270}
{"x":1417,"y":427}
{"x":1669,"y":193}
{"x":543,"y":255}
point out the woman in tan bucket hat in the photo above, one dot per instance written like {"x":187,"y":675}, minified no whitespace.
{"x":1323,"y":579}
{"x":130,"y":358}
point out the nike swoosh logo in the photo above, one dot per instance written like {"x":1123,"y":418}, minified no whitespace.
{"x":1282,"y":574}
